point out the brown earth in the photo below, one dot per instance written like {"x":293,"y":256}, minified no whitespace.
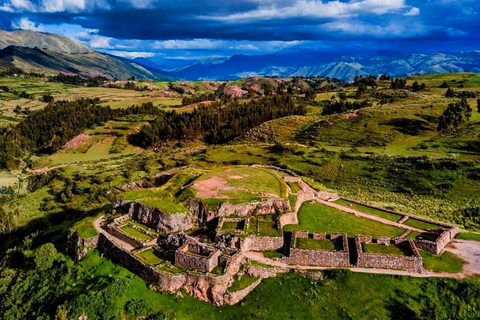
{"x":209,"y":188}
{"x":77,"y":141}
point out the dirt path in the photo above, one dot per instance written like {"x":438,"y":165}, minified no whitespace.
{"x":258,"y":256}
{"x":368,"y":216}
{"x":122,"y":244}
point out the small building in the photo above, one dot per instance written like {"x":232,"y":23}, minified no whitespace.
{"x":197,"y":256}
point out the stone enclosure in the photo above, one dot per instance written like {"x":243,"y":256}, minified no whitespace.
{"x":205,"y":264}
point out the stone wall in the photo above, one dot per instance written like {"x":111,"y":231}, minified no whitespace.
{"x":270,"y":206}
{"x":197,"y":256}
{"x":323,"y":258}
{"x":78,"y":247}
{"x":235,"y":297}
{"x":206,"y":287}
{"x":160,"y":221}
{"x":411,"y":263}
{"x":264,"y":272}
{"x":255,"y":243}
{"x":117,"y":233}
{"x":442,"y":241}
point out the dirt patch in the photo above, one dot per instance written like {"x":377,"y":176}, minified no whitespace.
{"x":209,"y":188}
{"x":77,"y":141}
{"x":235,"y":177}
{"x":468,"y":251}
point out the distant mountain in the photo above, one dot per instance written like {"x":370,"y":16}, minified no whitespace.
{"x":33,"y":39}
{"x":84,"y":64}
{"x":51,"y":53}
{"x":155,"y":68}
{"x":313,"y":64}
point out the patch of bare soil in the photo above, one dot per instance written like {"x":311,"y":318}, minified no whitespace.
{"x":235,"y":177}
{"x":77,"y":141}
{"x":468,"y":251}
{"x":209,"y":188}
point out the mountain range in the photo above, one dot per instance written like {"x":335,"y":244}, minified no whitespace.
{"x":313,"y":64}
{"x":50,"y":53}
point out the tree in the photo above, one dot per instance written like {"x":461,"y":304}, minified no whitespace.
{"x":7,"y":220}
{"x":361,"y":90}
{"x":456,"y":115}
{"x":47,"y":98}
{"x":310,"y":95}
{"x":450,"y":93}
{"x":17,"y":109}
{"x":416,"y":87}
{"x":342,"y":96}
{"x":45,"y":256}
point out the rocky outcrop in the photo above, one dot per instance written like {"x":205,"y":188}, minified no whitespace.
{"x":264,"y":272}
{"x":78,"y":247}
{"x":271,"y":206}
{"x":158,"y":220}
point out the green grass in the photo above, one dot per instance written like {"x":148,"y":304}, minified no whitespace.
{"x":422,"y":236}
{"x":150,"y":257}
{"x":272,"y":254}
{"x":468,"y":236}
{"x":375,"y":248}
{"x":421,"y":225}
{"x":356,"y":295}
{"x":321,"y":218}
{"x":292,"y":200}
{"x":129,"y":231}
{"x":312,"y":244}
{"x":246,"y":183}
{"x":233,"y":225}
{"x":447,"y":262}
{"x":264,"y":225}
{"x":244,"y":281}
{"x":85,"y":227}
{"x":294,"y":187}
{"x":365,"y":209}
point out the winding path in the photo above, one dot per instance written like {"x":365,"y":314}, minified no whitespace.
{"x":122,"y":244}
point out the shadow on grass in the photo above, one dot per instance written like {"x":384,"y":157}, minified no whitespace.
{"x":53,"y":227}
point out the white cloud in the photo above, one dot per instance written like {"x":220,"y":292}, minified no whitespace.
{"x":49,"y":6}
{"x":412,"y":12}
{"x":359,"y":28}
{"x":26,"y":24}
{"x":99,"y":42}
{"x":314,"y":9}
{"x":132,"y":54}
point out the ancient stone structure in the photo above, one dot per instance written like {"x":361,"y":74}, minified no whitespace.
{"x":437,"y":246}
{"x":264,"y":272}
{"x":385,"y":240}
{"x":412,"y":263}
{"x":318,"y":257}
{"x":160,"y":221}
{"x":241,"y":230}
{"x":197,"y":256}
{"x":79,"y":247}
{"x":270,"y":206}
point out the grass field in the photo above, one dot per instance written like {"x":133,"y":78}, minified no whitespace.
{"x":320,"y":218}
{"x":356,"y":295}
{"x":422,"y":236}
{"x":134,"y":233}
{"x":375,"y":212}
{"x":468,"y":236}
{"x":421,"y":225}
{"x":397,"y":250}
{"x":264,"y":225}
{"x":150,"y":257}
{"x":244,"y":281}
{"x":313,"y":244}
{"x":447,"y":262}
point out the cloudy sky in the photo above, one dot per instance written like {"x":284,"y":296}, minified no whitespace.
{"x":198,"y":29}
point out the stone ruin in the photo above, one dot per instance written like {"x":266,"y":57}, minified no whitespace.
{"x":411,"y":263}
{"x":339,"y":257}
{"x":197,"y":256}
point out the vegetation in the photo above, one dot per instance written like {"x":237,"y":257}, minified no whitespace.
{"x":321,"y":218}
{"x":134,"y":233}
{"x":244,"y":281}
{"x":398,"y":250}
{"x":365,"y":209}
{"x":313,"y":244}
{"x":446,"y":262}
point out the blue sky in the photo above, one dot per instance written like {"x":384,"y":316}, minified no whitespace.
{"x":199,"y":29}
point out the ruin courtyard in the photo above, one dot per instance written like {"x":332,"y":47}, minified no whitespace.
{"x":217,"y":233}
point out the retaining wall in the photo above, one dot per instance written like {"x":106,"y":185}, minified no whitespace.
{"x":442,"y":241}
{"x":78,"y":247}
{"x":388,"y":261}
{"x":323,"y":258}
